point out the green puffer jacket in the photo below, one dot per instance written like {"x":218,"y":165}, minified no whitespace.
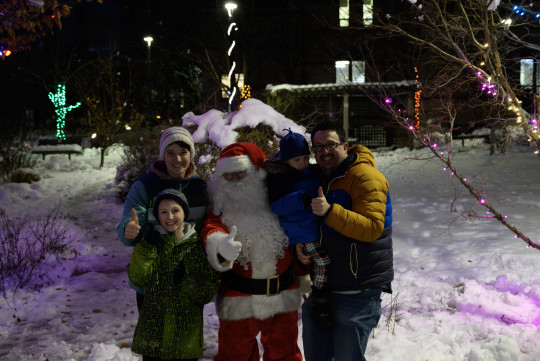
{"x":170,"y":323}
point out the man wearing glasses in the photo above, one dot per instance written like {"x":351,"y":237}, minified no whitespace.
{"x":356,"y":232}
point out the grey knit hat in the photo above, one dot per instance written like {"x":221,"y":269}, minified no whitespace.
{"x":176,"y":196}
{"x":176,"y":134}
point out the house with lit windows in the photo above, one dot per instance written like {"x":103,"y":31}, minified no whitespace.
{"x":350,"y":69}
{"x":310,"y":59}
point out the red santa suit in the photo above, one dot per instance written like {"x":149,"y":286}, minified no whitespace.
{"x":262,"y":288}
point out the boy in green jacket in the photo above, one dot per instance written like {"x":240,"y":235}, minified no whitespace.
{"x":170,"y":264}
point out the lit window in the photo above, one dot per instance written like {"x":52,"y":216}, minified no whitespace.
{"x":529,"y":70}
{"x":350,"y":72}
{"x":367,"y":12}
{"x":342,"y":71}
{"x":343,"y":13}
{"x":358,"y":72}
{"x":526,"y":72}
{"x":226,"y":84}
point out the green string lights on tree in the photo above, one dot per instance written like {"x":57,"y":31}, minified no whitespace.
{"x":61,"y":110}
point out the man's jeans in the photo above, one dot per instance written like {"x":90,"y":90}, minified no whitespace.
{"x":353,"y":318}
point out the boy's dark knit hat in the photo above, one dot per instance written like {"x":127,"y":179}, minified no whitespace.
{"x":292,"y":145}
{"x":176,"y":196}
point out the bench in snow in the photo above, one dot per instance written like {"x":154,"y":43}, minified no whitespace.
{"x":68,"y":149}
{"x":462,"y":137}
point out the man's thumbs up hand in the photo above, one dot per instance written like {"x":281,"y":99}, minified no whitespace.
{"x":319,"y":205}
{"x":132,"y":228}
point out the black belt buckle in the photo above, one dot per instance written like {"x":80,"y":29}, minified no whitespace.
{"x":269,"y":283}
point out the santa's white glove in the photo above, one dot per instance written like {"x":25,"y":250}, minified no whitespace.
{"x":228,"y":247}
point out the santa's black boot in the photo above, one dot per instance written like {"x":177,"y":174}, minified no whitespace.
{"x":320,"y":307}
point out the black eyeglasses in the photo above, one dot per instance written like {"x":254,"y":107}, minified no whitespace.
{"x":321,"y":147}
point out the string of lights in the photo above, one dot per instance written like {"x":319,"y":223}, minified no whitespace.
{"x":231,"y":32}
{"x":59,"y":101}
{"x":417,"y":98}
{"x":432,"y":145}
{"x":4,"y":52}
{"x":491,"y":88}
{"x":524,"y":12}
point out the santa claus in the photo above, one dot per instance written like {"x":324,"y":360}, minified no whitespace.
{"x":261,"y":281}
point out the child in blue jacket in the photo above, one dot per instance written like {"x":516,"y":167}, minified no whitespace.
{"x":291,"y":187}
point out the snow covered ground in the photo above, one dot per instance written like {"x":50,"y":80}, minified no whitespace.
{"x":464,"y":289}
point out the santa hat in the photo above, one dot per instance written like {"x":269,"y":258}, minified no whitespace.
{"x":239,"y":156}
{"x":173,"y":135}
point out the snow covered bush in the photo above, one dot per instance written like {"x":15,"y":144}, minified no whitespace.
{"x":141,"y":149}
{"x":206,"y":158}
{"x":136,"y":164}
{"x":25,"y":244}
{"x":208,"y":152}
{"x":24,"y":175}
{"x":15,"y":153}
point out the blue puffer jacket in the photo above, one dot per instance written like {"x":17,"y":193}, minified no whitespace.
{"x":286,"y":187}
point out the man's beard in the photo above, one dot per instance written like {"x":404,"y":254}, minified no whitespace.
{"x":244,"y":204}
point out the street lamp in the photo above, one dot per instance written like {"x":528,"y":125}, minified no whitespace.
{"x":231,"y":32}
{"x":149,"y":40}
{"x":230,"y":6}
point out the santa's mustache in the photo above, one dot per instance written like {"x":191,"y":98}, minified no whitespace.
{"x":244,"y":204}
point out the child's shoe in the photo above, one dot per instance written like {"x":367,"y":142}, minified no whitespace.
{"x":320,"y":309}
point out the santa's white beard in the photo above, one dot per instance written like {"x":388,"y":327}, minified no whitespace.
{"x":244,"y":204}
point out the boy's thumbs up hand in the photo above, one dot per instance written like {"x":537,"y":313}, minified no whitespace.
{"x":319,"y":205}
{"x":134,"y":217}
{"x":132,"y":228}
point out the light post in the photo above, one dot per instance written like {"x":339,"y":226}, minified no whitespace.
{"x":149,"y":40}
{"x":232,"y":32}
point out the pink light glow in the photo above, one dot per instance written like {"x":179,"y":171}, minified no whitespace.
{"x":536,"y":321}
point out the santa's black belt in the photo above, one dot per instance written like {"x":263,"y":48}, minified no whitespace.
{"x":270,"y":286}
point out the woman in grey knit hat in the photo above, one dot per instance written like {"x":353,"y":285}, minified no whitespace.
{"x":174,"y":169}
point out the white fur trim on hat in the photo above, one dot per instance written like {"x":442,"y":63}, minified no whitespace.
{"x":233,"y":164}
{"x":176,"y":134}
